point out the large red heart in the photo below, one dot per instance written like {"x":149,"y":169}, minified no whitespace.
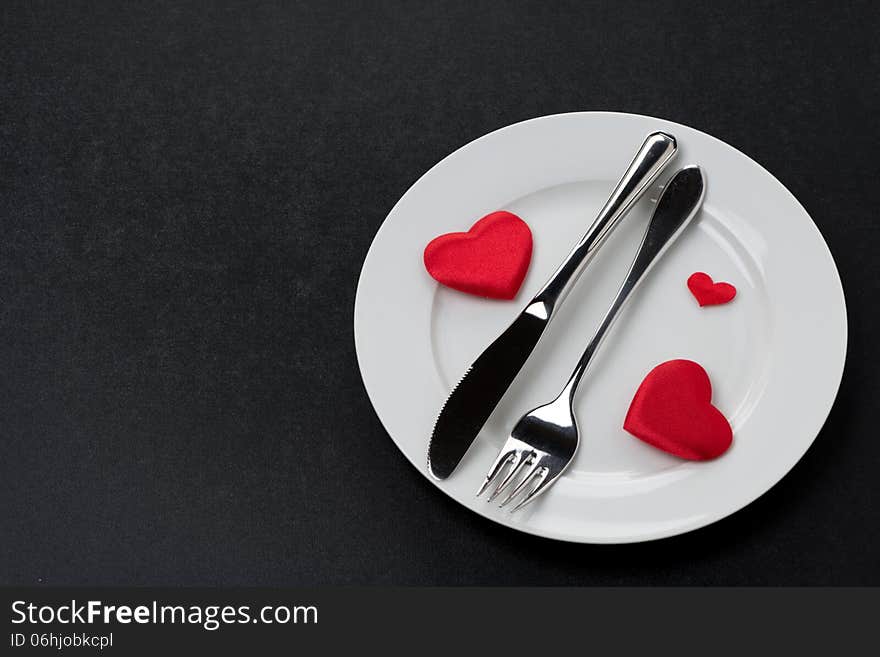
{"x":490,"y":260}
{"x":707,"y":292}
{"x":672,"y":410}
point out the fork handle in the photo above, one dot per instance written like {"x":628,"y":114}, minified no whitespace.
{"x":678,"y":204}
{"x":653,"y":156}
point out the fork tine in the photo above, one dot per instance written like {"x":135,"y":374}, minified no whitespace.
{"x":503,"y":459}
{"x":520,"y":461}
{"x":545,"y":481}
{"x":523,"y":484}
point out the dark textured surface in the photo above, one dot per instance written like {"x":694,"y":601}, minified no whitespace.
{"x":188,"y":194}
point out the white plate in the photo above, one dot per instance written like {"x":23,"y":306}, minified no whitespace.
{"x":775,"y":354}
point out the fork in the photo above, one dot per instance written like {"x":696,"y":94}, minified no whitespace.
{"x":544,"y":441}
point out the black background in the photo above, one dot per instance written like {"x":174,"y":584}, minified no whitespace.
{"x":188,"y":192}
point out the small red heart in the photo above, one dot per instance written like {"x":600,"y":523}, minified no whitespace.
{"x":672,"y":410}
{"x":490,"y":260}
{"x":708,"y":293}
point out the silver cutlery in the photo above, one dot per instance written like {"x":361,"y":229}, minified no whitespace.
{"x":472,"y":401}
{"x":545,"y":440}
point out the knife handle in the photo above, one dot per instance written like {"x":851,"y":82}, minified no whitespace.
{"x":657,"y":151}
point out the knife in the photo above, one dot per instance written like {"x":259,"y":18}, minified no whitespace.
{"x":477,"y":394}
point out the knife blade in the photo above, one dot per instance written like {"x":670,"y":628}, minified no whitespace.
{"x":484,"y":383}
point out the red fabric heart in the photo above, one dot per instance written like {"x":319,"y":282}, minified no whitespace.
{"x":490,"y":260}
{"x":672,"y":410}
{"x":708,"y":293}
